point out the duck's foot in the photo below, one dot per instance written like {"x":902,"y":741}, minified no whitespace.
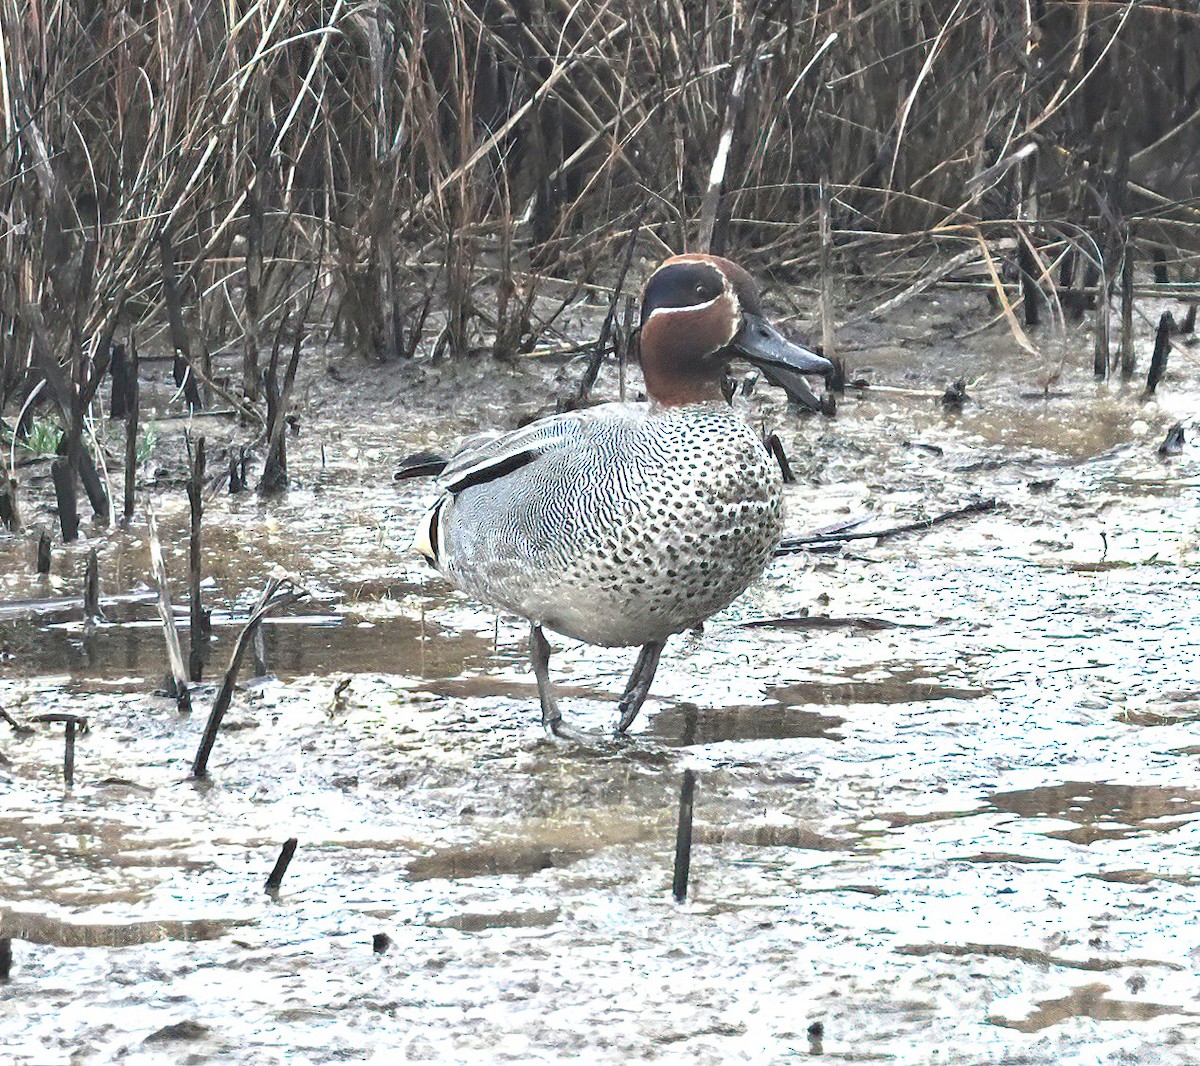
{"x":552,"y":719}
{"x":631,"y":701}
{"x":559,"y":731}
{"x":639,"y":685}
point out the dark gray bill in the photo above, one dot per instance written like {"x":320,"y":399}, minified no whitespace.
{"x":761,"y":343}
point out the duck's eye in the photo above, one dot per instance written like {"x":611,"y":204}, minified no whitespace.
{"x":700,"y":290}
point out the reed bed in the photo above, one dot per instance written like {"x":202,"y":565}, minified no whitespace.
{"x":225,"y":175}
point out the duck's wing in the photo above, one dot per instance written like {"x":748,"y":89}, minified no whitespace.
{"x":490,"y":456}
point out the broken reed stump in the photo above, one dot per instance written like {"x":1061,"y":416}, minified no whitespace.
{"x":63,"y":477}
{"x":71,"y":722}
{"x":583,"y":391}
{"x":181,"y":339}
{"x":252,"y":289}
{"x":258,"y":647}
{"x":5,"y":957}
{"x":1126,"y":352}
{"x":132,"y":403}
{"x":43,"y":554}
{"x":177,"y":680}
{"x":274,"y":473}
{"x":1162,"y":275}
{"x":279,"y":592}
{"x":683,"y":837}
{"x":123,"y":383}
{"x":10,"y":513}
{"x":281,"y":864}
{"x":92,"y":615}
{"x":1173,"y":442}
{"x":1031,"y":291}
{"x":199,"y":628}
{"x":237,"y":472}
{"x":1188,"y":325}
{"x":1162,"y":348}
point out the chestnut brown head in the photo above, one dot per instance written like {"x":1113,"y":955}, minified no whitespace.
{"x":700,"y":312}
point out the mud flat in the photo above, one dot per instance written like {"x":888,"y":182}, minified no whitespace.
{"x":966,"y":836}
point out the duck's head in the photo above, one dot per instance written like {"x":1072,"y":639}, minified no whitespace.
{"x":700,"y":312}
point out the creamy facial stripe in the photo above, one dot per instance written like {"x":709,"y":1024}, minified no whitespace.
{"x":687,"y":307}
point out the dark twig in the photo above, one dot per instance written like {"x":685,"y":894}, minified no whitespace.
{"x":775,"y":447}
{"x":683,"y":837}
{"x":17,"y":727}
{"x":280,"y":592}
{"x":794,"y":544}
{"x":281,"y":864}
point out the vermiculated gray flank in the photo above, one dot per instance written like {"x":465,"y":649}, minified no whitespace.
{"x":630,"y":523}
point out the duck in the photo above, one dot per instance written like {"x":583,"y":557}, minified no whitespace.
{"x":624,"y":524}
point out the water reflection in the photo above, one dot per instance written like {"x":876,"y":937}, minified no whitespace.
{"x":295,"y":647}
{"x":1088,"y":1001}
{"x":1102,"y":810}
{"x":685,"y":724}
{"x":43,"y":929}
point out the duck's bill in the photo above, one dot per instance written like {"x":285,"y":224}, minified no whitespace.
{"x":761,"y":343}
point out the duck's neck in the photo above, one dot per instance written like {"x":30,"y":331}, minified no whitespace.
{"x":678,"y":388}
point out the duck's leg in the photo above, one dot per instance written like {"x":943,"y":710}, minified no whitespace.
{"x":639,"y":684}
{"x":539,"y":655}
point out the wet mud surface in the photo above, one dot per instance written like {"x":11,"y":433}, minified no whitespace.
{"x":971,"y":836}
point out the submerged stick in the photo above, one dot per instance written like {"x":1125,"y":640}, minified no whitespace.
{"x":794,"y":544}
{"x":280,"y":592}
{"x":281,"y":864}
{"x":178,"y":675}
{"x":683,"y":837}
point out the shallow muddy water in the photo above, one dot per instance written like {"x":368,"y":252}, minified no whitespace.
{"x":966,"y":830}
